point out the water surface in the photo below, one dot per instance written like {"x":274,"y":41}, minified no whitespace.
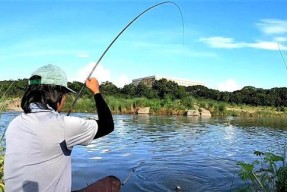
{"x":197,"y":154}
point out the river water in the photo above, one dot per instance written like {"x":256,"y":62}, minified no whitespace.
{"x":160,"y":153}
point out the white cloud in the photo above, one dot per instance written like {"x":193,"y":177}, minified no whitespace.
{"x":274,"y":29}
{"x":221,"y":42}
{"x":100,"y":73}
{"x":273,"y":26}
{"x":229,"y":43}
{"x":266,"y":45}
{"x":83,"y":55}
{"x":122,"y":81}
{"x":280,"y":39}
{"x":228,"y":85}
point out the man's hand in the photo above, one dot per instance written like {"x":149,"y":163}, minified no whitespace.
{"x":93,"y":85}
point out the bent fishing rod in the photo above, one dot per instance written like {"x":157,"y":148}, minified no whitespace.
{"x":106,"y":50}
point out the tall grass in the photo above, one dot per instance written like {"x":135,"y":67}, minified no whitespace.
{"x":168,"y":106}
{"x":157,"y":106}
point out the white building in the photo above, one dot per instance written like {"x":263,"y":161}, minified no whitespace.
{"x":150,"y":79}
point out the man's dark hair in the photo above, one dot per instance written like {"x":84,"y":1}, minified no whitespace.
{"x":43,"y":96}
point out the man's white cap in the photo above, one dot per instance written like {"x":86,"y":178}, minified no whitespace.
{"x":50,"y":75}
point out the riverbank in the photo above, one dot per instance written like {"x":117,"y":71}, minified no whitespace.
{"x":165,"y":107}
{"x":11,"y":104}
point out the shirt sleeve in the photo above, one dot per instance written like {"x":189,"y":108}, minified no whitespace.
{"x":79,"y":131}
{"x":105,"y":122}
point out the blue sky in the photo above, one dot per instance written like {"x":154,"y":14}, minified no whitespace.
{"x":226,"y":44}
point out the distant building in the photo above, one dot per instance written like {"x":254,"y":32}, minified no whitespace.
{"x":150,"y":79}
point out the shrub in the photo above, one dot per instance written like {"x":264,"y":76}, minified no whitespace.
{"x":269,"y":173}
{"x":221,"y":107}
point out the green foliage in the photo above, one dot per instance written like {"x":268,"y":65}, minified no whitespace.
{"x":269,"y":173}
{"x":129,"y":89}
{"x":187,"y":102}
{"x":247,"y":95}
{"x":276,"y":97}
{"x":203,"y":104}
{"x":16,"y":90}
{"x":109,"y":88}
{"x":165,"y":88}
{"x":210,"y":105}
{"x":168,"y":96}
{"x":120,"y":105}
{"x":124,"y":105}
{"x":141,"y":90}
{"x":280,"y":108}
{"x":83,"y":104}
{"x":222,"y":107}
{"x":76,"y":86}
{"x":154,"y":104}
{"x":246,"y":171}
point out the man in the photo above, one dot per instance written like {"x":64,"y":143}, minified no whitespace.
{"x":40,"y":140}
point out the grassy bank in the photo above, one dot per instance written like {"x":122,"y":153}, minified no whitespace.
{"x":119,"y":105}
{"x":122,"y":105}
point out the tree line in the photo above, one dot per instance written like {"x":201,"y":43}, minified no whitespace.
{"x":165,"y":89}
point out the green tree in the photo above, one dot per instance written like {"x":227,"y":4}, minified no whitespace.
{"x":141,"y":90}
{"x":109,"y":88}
{"x":165,"y":88}
{"x":225,"y":96}
{"x":129,"y":89}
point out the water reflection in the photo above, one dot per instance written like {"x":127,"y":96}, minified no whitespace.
{"x":276,"y":123}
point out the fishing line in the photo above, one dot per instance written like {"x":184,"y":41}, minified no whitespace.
{"x":95,"y":66}
{"x":123,"y":183}
{"x":282,"y":55}
{"x":131,"y":173}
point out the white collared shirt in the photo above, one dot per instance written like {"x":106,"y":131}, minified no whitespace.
{"x":38,"y":148}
